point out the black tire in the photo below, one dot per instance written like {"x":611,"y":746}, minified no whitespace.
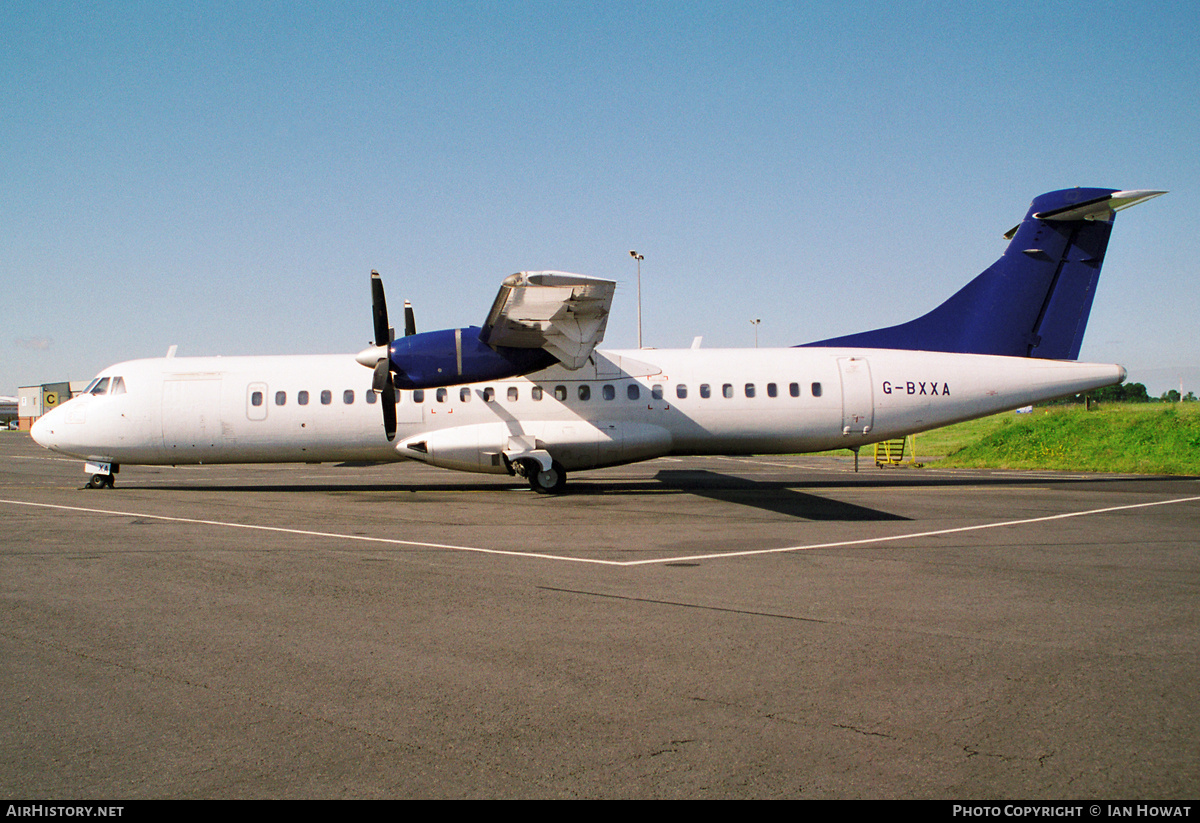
{"x":99,"y":481}
{"x":549,"y":482}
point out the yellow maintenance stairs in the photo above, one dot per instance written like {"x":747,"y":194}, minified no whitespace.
{"x":892,"y":452}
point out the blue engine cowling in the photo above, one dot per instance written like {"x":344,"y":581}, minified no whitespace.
{"x":449,"y":357}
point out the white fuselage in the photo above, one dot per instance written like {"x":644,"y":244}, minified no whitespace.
{"x":621,"y":407}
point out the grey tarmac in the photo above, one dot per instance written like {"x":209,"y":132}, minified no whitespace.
{"x":751,"y":627}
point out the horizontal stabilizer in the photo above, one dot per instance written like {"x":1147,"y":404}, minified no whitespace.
{"x":564,"y":314}
{"x":1102,"y":208}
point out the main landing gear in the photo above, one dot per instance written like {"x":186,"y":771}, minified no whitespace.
{"x":100,"y":481}
{"x":550,"y":481}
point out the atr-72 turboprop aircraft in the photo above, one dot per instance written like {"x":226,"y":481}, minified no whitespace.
{"x":529,"y":394}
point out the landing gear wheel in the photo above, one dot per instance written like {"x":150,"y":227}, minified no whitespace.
{"x":553,"y":481}
{"x":100,"y":481}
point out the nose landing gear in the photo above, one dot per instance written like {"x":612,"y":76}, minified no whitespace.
{"x":103,"y":475}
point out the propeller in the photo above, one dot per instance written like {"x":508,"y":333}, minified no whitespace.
{"x":382,"y":382}
{"x":379,"y":356}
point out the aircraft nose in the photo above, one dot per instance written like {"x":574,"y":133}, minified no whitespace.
{"x":46,"y":430}
{"x":41,"y":432}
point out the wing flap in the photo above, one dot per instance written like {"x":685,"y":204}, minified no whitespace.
{"x":565,"y":314}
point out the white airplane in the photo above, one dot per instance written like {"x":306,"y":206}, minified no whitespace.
{"x":529,"y":394}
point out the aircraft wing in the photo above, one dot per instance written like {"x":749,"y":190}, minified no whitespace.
{"x":565,"y":314}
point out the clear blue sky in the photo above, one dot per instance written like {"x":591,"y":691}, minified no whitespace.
{"x":224,"y":176}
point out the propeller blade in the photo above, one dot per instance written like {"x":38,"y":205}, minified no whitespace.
{"x":410,"y":320}
{"x":388,"y":400}
{"x":382,"y":376}
{"x":383,"y":332}
{"x":381,"y":380}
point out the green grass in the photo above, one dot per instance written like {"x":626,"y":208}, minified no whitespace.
{"x":1137,"y":438}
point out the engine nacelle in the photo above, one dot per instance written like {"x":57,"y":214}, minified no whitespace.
{"x":449,"y":357}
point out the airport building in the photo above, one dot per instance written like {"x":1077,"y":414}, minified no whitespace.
{"x":34,"y":401}
{"x":8,"y":409}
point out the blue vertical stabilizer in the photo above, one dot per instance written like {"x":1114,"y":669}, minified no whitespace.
{"x":1032,"y":302}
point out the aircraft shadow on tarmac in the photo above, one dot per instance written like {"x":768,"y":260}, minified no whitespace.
{"x":774,"y":496}
{"x":781,"y":496}
{"x":777,"y":496}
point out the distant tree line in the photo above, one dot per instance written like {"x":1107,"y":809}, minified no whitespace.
{"x":1126,"y":393}
{"x":1123,"y":393}
{"x":1172,"y":396}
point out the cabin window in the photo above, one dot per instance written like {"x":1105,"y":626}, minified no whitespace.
{"x":585,"y":391}
{"x":464,"y":395}
{"x":705,"y":391}
{"x":256,"y":398}
{"x":633,"y":392}
{"x":512,"y":394}
{"x":370,"y":397}
{"x":489,"y":395}
{"x":280,"y":398}
{"x":442,"y":394}
{"x":418,"y":395}
{"x":118,"y":385}
{"x":656,"y":391}
{"x":536,"y":393}
{"x":772,"y":390}
{"x":794,"y":389}
{"x":749,"y":389}
{"x":727,"y":390}
{"x":302,"y":398}
{"x":608,"y":392}
{"x":348,"y":396}
{"x":816,"y":389}
{"x":681,"y":391}
{"x":560,"y":392}
{"x":326,"y":397}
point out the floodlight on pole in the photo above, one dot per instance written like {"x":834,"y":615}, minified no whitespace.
{"x":755,"y":322}
{"x":639,"y":258}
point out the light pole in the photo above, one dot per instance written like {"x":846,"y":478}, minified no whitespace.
{"x":755,"y":323}
{"x":639,"y":258}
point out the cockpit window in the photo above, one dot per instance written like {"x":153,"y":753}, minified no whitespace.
{"x":99,"y":387}
{"x":118,"y":385}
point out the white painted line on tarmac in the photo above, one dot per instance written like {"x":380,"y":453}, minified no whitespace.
{"x":866,"y":541}
{"x":304,"y":532}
